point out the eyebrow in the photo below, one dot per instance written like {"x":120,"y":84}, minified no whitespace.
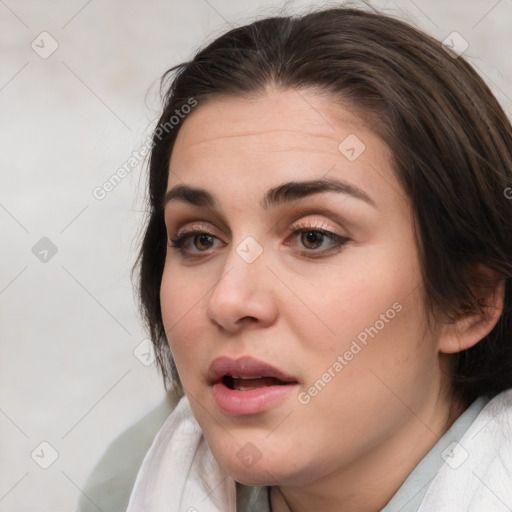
{"x":282,"y":194}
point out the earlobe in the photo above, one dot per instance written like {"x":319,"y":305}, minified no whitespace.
{"x":470,"y":328}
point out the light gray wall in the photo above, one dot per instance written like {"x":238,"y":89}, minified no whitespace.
{"x":69,"y":120}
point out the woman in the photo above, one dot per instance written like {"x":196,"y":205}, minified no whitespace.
{"x":326,"y":274}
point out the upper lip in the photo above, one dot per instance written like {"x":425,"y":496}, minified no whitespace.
{"x":244,"y":367}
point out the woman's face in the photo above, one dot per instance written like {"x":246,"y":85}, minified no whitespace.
{"x":320,"y":282}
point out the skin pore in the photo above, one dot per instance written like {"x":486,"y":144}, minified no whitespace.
{"x":304,"y":300}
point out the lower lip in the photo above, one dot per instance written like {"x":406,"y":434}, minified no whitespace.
{"x":253,"y":401}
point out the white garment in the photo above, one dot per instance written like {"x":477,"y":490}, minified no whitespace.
{"x":479,"y":475}
{"x":180,"y":474}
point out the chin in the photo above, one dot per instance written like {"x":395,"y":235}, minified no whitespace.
{"x":255,"y":479}
{"x":260,"y":475}
{"x":252,"y":466}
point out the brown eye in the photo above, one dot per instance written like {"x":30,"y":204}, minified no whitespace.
{"x":316,"y":242}
{"x":203,"y":242}
{"x":312,"y":239}
{"x":192,"y":243}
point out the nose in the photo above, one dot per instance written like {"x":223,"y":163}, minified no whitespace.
{"x":243,"y":296}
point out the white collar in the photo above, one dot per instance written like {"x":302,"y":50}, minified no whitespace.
{"x":179,"y":472}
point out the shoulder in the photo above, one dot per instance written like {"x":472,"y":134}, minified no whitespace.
{"x":110,"y":483}
{"x":478,"y":473}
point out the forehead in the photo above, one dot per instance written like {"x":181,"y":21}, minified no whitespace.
{"x":284,"y":119}
{"x":254,"y":143}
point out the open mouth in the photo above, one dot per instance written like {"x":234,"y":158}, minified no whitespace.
{"x":249,"y":383}
{"x":247,"y":386}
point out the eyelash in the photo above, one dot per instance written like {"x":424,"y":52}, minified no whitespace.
{"x":338,"y":241}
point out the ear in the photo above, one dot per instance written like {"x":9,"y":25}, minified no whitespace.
{"x":470,"y":328}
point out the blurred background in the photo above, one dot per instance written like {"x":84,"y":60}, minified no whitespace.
{"x":78,"y":98}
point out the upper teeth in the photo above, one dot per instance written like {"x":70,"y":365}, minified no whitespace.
{"x":247,"y":378}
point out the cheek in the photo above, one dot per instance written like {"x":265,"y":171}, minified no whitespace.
{"x":377,"y":351}
{"x":372,"y":321}
{"x":181,"y":305}
{"x":365,"y":293}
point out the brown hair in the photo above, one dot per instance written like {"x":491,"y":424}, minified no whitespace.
{"x":449,"y":137}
